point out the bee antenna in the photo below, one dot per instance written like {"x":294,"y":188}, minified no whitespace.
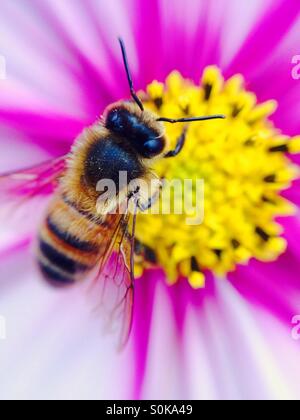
{"x":129,"y":78}
{"x":183,"y":120}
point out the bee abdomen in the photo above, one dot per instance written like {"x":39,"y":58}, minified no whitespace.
{"x":54,"y":275}
{"x":64,"y":258}
{"x":70,"y":240}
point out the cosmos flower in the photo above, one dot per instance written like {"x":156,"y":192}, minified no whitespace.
{"x":214,"y":319}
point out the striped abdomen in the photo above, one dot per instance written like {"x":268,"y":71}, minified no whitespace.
{"x":70,"y":243}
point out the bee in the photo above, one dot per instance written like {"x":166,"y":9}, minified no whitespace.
{"x":77,"y":238}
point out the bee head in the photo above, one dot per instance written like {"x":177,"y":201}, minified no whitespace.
{"x":141,"y":129}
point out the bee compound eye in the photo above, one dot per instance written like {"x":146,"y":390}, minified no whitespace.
{"x":153,"y":147}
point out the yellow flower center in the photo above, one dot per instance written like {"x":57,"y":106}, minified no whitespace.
{"x":243,"y":163}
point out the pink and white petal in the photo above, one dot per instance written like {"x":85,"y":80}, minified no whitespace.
{"x":162,"y":376}
{"x":164,"y":36}
{"x":96,"y":65}
{"x":245,"y":16}
{"x":216,"y":40}
{"x":18,"y":223}
{"x":54,"y":348}
{"x":52,"y":76}
{"x":170,"y":35}
{"x":224,"y":350}
{"x":35,"y":57}
{"x":265,"y":60}
{"x":237,"y":351}
{"x":275,"y":81}
{"x":16,"y":153}
{"x":145,"y":296}
{"x":179,"y":299}
{"x":273,"y":286}
{"x":70,"y":91}
{"x":188,"y":38}
{"x":54,"y":133}
{"x":265,"y":37}
{"x":246,"y":364}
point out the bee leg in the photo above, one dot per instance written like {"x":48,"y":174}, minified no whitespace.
{"x":143,"y":206}
{"x":179,"y":145}
{"x":146,"y":204}
{"x":146,"y":191}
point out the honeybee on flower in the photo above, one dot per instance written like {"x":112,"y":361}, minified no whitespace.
{"x":214,"y":302}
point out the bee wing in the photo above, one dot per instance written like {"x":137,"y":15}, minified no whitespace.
{"x":23,"y":194}
{"x":115,"y":279}
{"x":40,"y":180}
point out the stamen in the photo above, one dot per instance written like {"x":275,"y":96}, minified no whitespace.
{"x":243,"y":163}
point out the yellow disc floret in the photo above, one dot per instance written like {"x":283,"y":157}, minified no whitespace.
{"x":243,"y":163}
